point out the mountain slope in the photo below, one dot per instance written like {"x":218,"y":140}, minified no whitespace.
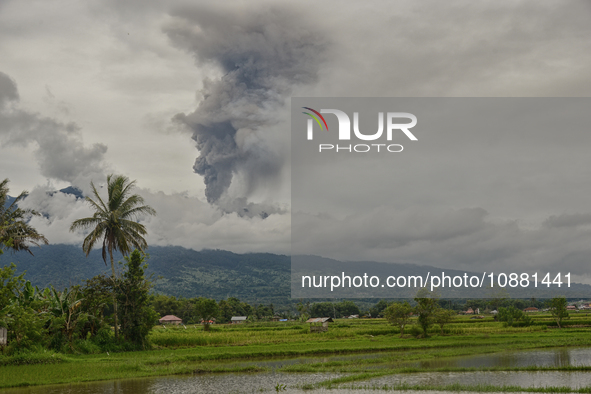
{"x":256,"y":278}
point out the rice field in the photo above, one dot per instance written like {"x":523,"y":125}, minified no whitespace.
{"x":246,"y":348}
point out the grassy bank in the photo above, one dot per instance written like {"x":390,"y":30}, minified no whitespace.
{"x":243,"y":348}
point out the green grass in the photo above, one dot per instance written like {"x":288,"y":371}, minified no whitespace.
{"x":30,"y":358}
{"x":240,"y":348}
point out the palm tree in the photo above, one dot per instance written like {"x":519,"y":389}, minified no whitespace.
{"x":115,"y":223}
{"x":15,"y":232}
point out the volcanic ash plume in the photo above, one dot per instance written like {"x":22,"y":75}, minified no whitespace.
{"x":262,"y":56}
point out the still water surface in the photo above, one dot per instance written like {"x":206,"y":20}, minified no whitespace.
{"x":266,"y":382}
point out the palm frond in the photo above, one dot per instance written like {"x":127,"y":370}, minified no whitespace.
{"x":110,"y":221}
{"x":83,"y":224}
{"x":103,"y":207}
{"x":15,"y":232}
{"x":136,"y":212}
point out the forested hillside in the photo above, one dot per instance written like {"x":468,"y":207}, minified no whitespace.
{"x":254,"y":278}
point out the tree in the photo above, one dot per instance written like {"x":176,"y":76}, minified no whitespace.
{"x":206,"y":309}
{"x":137,"y":316}
{"x":226,"y":312}
{"x":398,"y":313}
{"x":377,"y":309}
{"x":511,"y":316}
{"x":65,"y":307}
{"x":558,"y":309}
{"x":322,"y":309}
{"x":347,"y":308}
{"x":10,"y":284}
{"x":443,"y":317}
{"x":96,"y":297}
{"x":23,"y":323}
{"x":426,"y":307}
{"x":15,"y":232}
{"x":303,"y":310}
{"x":115,"y":223}
{"x":166,"y":305}
{"x":498,"y":297}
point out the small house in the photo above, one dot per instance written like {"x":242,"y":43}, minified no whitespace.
{"x":238,"y":319}
{"x":470,"y":311}
{"x":319,"y":324}
{"x":571,"y":308}
{"x":170,"y":319}
{"x":531,"y":309}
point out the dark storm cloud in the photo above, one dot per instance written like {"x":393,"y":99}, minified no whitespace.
{"x":262,"y":55}
{"x":461,"y":239}
{"x":60,"y":152}
{"x":571,"y":220}
{"x":8,"y":90}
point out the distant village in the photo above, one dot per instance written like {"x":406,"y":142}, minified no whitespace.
{"x":477,"y":313}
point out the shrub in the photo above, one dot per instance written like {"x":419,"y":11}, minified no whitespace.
{"x":415,"y":331}
{"x":86,"y":346}
{"x":30,"y":357}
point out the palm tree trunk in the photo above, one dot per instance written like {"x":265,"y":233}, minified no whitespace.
{"x":114,"y":296}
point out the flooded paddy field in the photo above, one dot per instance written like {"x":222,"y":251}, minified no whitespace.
{"x":274,"y":379}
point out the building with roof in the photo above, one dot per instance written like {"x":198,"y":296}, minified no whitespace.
{"x":170,"y":319}
{"x":238,"y":319}
{"x":319,"y":324}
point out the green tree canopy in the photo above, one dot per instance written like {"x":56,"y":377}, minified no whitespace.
{"x":443,"y":317}
{"x":398,"y":313}
{"x":207,"y":310}
{"x":511,"y":316}
{"x":558,"y":309}
{"x":115,"y":222}
{"x":15,"y":232}
{"x":378,"y":308}
{"x":137,"y":316}
{"x":427,"y":305}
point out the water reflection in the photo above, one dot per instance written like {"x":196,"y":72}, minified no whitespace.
{"x":196,"y":384}
{"x":574,"y":380}
{"x":559,"y":357}
{"x":266,"y":382}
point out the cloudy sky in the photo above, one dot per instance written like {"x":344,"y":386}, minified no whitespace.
{"x":192,"y":100}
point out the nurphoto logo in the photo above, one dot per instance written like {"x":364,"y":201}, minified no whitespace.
{"x":344,"y":133}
